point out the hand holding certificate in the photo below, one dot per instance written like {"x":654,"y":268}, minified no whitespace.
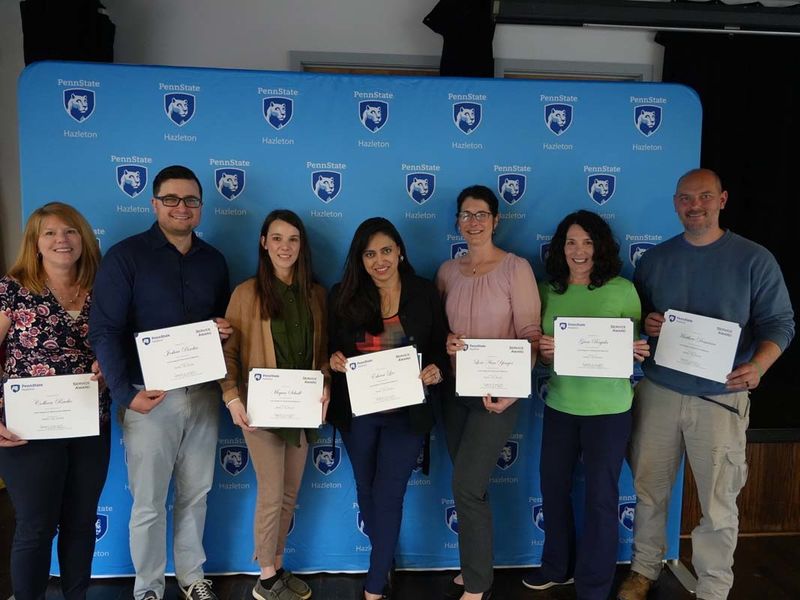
{"x":180,"y":356}
{"x":593,"y":347}
{"x":697,"y":345}
{"x":500,"y":368}
{"x":384,"y":380}
{"x":284,"y":398}
{"x":59,"y":406}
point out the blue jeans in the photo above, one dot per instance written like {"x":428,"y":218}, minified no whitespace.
{"x":383,"y":450}
{"x":601,"y":441}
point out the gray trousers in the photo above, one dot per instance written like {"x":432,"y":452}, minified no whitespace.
{"x":665,"y":424}
{"x":474,"y":440}
{"x":176,"y":441}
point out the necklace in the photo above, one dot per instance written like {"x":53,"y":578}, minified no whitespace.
{"x":62,"y":301}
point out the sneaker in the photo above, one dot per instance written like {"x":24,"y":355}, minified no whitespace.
{"x":150,"y":595}
{"x":535,"y":580}
{"x":297,"y":585}
{"x":278,"y":591}
{"x":635,"y":587}
{"x":199,"y":590}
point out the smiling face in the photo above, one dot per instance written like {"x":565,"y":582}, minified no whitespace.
{"x":474,"y":232}
{"x":698,"y":201}
{"x":381,"y":259}
{"x":282,"y":243}
{"x":177,"y":221}
{"x":579,"y":252}
{"x":59,"y":244}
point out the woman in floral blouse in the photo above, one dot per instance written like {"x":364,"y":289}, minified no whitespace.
{"x":54,"y":484}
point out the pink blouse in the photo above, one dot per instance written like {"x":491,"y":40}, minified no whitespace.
{"x":501,"y":304}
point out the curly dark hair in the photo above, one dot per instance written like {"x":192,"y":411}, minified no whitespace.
{"x":607,"y":263}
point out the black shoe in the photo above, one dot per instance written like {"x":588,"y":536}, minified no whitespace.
{"x":453,"y":590}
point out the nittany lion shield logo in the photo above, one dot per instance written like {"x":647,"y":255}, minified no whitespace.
{"x":508,"y":455}
{"x":234,"y":459}
{"x":451,"y":518}
{"x":179,"y":108}
{"x":132,"y":179}
{"x":326,"y":184}
{"x":278,"y":111}
{"x":601,"y":187}
{"x":542,"y":386}
{"x":627,"y":513}
{"x":100,"y":527}
{"x":647,"y":119}
{"x":326,"y":458}
{"x":146,"y":341}
{"x":467,"y":116}
{"x":562,"y":326}
{"x":360,"y":523}
{"x":420,"y":186}
{"x":558,"y":117}
{"x":229,"y":182}
{"x":637,"y":250}
{"x":511,"y":187}
{"x":672,"y":318}
{"x":537,"y":516}
{"x":15,"y":387}
{"x":544,"y":251}
{"x":373,"y":114}
{"x":79,"y":103}
{"x":459,"y":249}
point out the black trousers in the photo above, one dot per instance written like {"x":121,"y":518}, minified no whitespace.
{"x":54,"y":486}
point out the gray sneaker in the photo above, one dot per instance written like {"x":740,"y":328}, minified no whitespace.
{"x":279,"y":591}
{"x":297,"y":585}
{"x":199,"y":590}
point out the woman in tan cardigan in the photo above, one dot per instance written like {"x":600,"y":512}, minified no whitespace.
{"x":278,"y":320}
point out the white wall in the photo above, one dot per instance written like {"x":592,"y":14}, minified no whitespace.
{"x":258,"y":34}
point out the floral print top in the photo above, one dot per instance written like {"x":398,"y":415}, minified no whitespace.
{"x":44,"y":339}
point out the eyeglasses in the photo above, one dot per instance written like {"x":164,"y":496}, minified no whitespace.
{"x":465,"y":216}
{"x":188,"y":201}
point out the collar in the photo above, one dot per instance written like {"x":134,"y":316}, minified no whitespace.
{"x":156,"y":239}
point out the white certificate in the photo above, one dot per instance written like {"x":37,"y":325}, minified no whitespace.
{"x":501,"y":368}
{"x":697,"y":345}
{"x":593,"y":347}
{"x":384,"y":380}
{"x":180,"y":356}
{"x":284,"y":398}
{"x":59,"y":406}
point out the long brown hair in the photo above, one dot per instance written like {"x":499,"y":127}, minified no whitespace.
{"x":270,"y":301}
{"x":28,"y":268}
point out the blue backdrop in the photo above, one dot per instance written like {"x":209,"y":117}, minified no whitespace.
{"x":339,"y":149}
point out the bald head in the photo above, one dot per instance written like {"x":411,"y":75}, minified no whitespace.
{"x":700,"y":174}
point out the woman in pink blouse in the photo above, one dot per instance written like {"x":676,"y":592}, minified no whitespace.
{"x":488,"y":293}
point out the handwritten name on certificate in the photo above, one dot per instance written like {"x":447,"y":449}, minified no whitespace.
{"x":284,"y":398}
{"x":501,"y":368}
{"x":697,"y":345}
{"x":384,"y":380}
{"x":176,"y":357}
{"x":59,"y":406}
{"x":593,"y":347}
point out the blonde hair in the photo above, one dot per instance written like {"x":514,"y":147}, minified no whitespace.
{"x":28,"y":269}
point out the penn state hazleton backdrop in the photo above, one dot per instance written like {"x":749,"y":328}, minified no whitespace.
{"x":339,"y":149}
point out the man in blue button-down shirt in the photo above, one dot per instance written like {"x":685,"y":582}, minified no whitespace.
{"x":163,"y":277}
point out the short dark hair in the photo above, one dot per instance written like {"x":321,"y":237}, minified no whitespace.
{"x":359,"y":302}
{"x":479,"y":192}
{"x":175,"y":172}
{"x":270,"y":300}
{"x":606,"y":261}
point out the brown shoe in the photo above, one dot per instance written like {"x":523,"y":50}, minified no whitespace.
{"x":635,"y":587}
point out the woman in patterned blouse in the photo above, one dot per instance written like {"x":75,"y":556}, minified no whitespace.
{"x":54,"y":484}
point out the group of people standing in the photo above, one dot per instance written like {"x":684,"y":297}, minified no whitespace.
{"x":282,"y":318}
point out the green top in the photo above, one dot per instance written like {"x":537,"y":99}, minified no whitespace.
{"x":293,"y":340}
{"x":589,"y":396}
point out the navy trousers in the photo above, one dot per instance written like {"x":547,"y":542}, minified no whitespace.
{"x":383,"y":450}
{"x":54,"y":485}
{"x":601,"y":441}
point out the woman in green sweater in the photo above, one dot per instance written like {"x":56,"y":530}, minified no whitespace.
{"x":585,"y":418}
